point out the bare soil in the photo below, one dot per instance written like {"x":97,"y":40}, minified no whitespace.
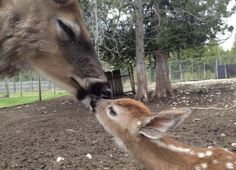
{"x":35,"y":136}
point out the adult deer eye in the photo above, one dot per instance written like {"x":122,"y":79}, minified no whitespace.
{"x":112,"y":112}
{"x":61,"y":1}
{"x":67,"y":30}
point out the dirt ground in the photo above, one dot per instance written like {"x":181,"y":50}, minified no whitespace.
{"x":35,"y":136}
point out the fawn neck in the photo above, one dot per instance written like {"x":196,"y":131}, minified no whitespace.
{"x":155,"y":155}
{"x":168,"y":154}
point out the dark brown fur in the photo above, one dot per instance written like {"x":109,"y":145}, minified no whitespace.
{"x":31,"y":37}
{"x":19,"y":42}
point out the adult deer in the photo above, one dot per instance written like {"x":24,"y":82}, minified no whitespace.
{"x":143,"y":135}
{"x":50,"y":37}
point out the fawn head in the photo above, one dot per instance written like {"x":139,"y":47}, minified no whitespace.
{"x":124,"y":116}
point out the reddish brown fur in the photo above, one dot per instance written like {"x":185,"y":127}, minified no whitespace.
{"x":163,"y":153}
{"x":136,"y":109}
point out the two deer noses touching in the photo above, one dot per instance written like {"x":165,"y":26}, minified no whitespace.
{"x":143,"y":135}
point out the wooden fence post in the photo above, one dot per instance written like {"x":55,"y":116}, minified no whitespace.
{"x":181,"y":73}
{"x":40,"y":90}
{"x":54,"y":89}
{"x":226,"y":72}
{"x":170,"y":71}
{"x":216,"y":69}
{"x":117,"y":82}
{"x":49,"y":85}
{"x":21,"y":90}
{"x":204,"y":67}
{"x":14,"y":84}
{"x":32,"y":83}
{"x":7,"y":88}
{"x":109,"y":78}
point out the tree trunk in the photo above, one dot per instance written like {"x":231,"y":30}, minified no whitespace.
{"x":131,"y":77}
{"x":7,"y":88}
{"x":163,"y":85}
{"x":141,"y":93}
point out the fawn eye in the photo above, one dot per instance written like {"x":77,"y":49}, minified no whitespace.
{"x":112,"y":112}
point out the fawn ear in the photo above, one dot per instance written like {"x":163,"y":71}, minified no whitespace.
{"x":154,"y":126}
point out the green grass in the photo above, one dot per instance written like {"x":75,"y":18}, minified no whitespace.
{"x":29,"y":97}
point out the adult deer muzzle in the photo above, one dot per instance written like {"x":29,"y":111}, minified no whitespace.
{"x":50,"y":37}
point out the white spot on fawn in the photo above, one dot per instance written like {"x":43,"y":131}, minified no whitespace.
{"x":215,"y":161}
{"x":227,"y":150}
{"x":201,"y":155}
{"x":229,"y":165}
{"x":197,"y":168}
{"x":139,"y":123}
{"x":179,"y":149}
{"x":209,"y":153}
{"x":204,"y":165}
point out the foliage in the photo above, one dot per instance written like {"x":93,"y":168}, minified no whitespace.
{"x":176,"y":29}
{"x":118,"y":38}
{"x":179,"y":27}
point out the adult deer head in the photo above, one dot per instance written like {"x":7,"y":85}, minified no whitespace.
{"x":50,"y":37}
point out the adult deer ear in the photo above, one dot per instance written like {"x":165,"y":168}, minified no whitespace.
{"x":154,"y":126}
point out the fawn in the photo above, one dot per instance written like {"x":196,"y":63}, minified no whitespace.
{"x":143,"y":136}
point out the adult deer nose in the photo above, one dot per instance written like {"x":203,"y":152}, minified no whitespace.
{"x":98,"y":91}
{"x":101,"y":90}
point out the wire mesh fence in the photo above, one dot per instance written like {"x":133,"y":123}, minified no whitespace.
{"x":196,"y":69}
{"x":27,"y":88}
{"x":202,"y":68}
{"x":192,"y":69}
